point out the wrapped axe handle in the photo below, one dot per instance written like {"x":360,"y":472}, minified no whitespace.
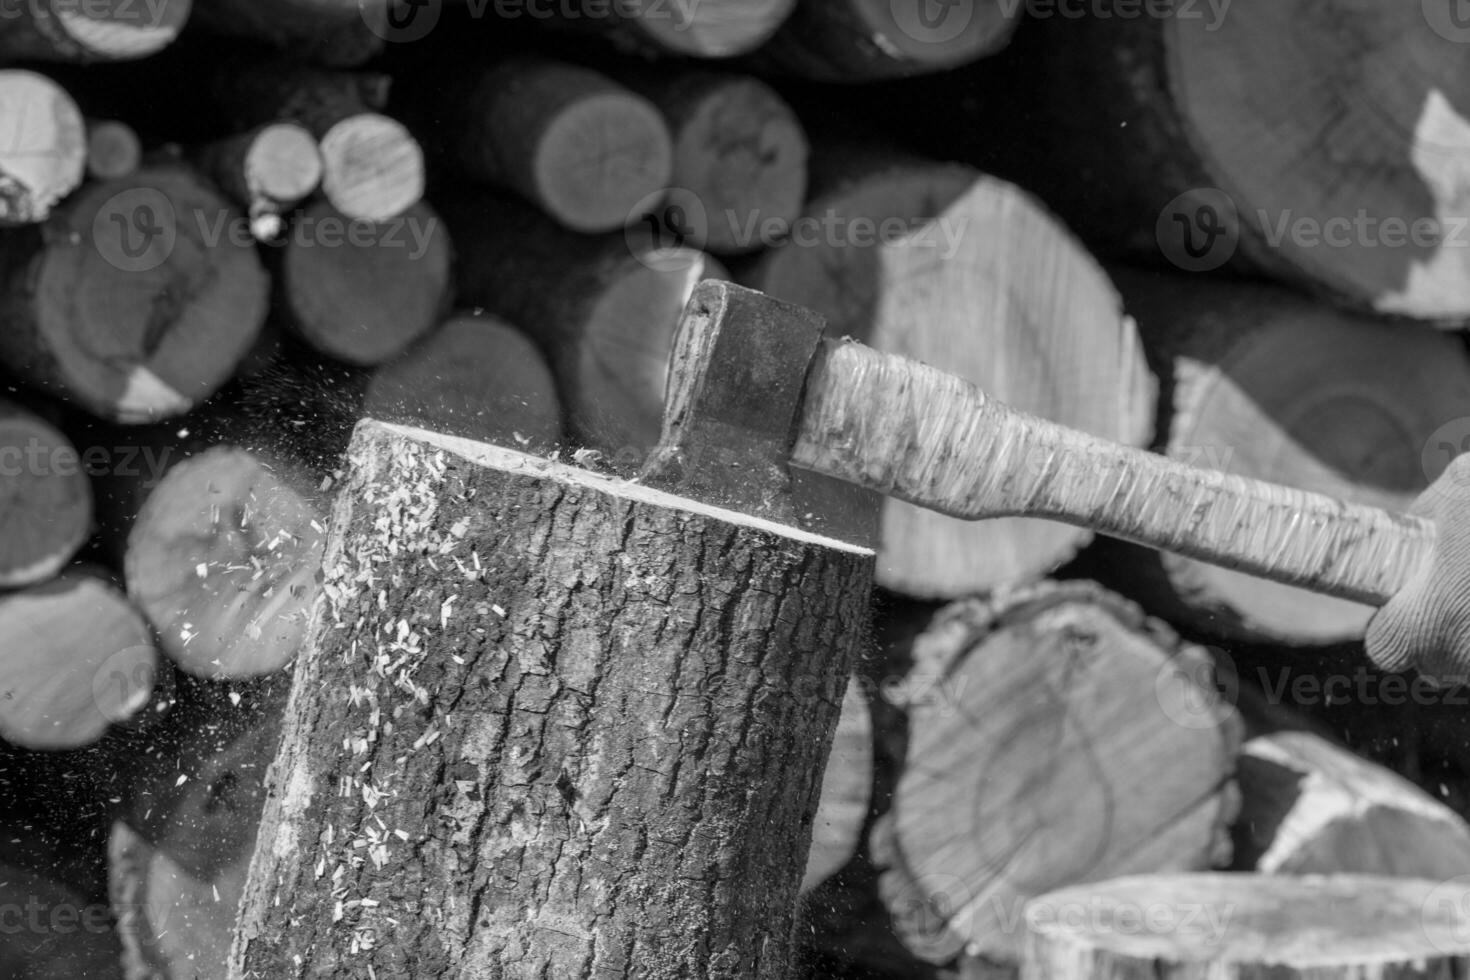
{"x":919,"y":434}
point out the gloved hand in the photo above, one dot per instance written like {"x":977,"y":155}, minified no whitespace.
{"x":1427,"y":625}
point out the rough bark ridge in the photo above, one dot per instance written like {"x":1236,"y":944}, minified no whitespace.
{"x":547,"y":725}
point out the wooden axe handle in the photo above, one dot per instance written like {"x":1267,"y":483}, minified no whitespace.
{"x":909,"y":431}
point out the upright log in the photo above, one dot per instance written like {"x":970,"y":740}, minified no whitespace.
{"x":1060,"y":737}
{"x":47,"y":515}
{"x":603,"y":309}
{"x":624,"y":785}
{"x":968,"y":273}
{"x":739,"y":162}
{"x":867,"y":40}
{"x":475,"y":377}
{"x":581,"y":147}
{"x":1364,"y":424}
{"x":43,"y":146}
{"x":1167,"y":138}
{"x":1237,"y":927}
{"x":363,"y":291}
{"x":134,"y":300}
{"x":61,"y":30}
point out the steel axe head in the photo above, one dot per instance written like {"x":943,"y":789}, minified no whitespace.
{"x":732,"y":407}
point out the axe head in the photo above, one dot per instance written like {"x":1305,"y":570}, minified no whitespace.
{"x":732,"y":410}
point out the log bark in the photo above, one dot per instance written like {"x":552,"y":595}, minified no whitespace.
{"x":266,"y":171}
{"x":868,"y":40}
{"x":739,"y":162}
{"x":604,"y":310}
{"x":1055,"y":736}
{"x":1232,"y":927}
{"x":584,"y":149}
{"x":475,"y":377}
{"x":47,"y":515}
{"x":363,"y":291}
{"x":372,"y":167}
{"x":629,"y":782}
{"x":87,"y":662}
{"x":706,"y":29}
{"x":57,"y":30}
{"x":1311,"y":807}
{"x":847,"y":786}
{"x":223,"y":558}
{"x":43,"y":146}
{"x":113,"y":149}
{"x":1167,"y":140}
{"x":132,"y":301}
{"x":1363,"y":425}
{"x":968,"y":273}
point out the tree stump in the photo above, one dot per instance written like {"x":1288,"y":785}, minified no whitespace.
{"x":546,"y":723}
{"x":1240,"y":927}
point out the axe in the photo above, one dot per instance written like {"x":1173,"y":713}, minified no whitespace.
{"x":755,"y":388}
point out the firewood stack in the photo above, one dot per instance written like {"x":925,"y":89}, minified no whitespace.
{"x":230,"y":229}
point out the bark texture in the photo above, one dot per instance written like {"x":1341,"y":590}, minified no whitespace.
{"x":547,"y":725}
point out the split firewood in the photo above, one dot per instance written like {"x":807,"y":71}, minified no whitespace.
{"x":480,"y":727}
{"x":337,"y":33}
{"x":1236,"y":926}
{"x":47,"y":515}
{"x":267,"y":171}
{"x":1379,"y":415}
{"x":1061,"y":738}
{"x":968,"y":273}
{"x":363,"y":291}
{"x":603,"y":309}
{"x":133,"y":301}
{"x":55,"y":933}
{"x":113,"y":149}
{"x":475,"y":377}
{"x":43,"y":146}
{"x":1311,"y":807}
{"x":62,"y":30}
{"x":847,"y":786}
{"x":684,"y":28}
{"x":578,"y":145}
{"x":372,"y":167}
{"x":86,"y":661}
{"x":739,"y":164}
{"x":866,"y":40}
{"x":1167,"y":139}
{"x":223,"y":558}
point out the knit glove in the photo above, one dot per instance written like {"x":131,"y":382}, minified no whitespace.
{"x":1427,"y":624}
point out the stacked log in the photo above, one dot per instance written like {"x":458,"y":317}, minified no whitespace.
{"x":45,"y":149}
{"x":48,"y":512}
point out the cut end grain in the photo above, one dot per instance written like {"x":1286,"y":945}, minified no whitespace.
{"x":43,"y":146}
{"x":45,"y":499}
{"x":711,"y":28}
{"x":372,"y":167}
{"x":598,"y":158}
{"x":113,"y":149}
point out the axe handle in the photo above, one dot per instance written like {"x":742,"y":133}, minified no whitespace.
{"x":910,"y":431}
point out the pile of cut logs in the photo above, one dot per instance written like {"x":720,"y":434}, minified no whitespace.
{"x":233,"y":228}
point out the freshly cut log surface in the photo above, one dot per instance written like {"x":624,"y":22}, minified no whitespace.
{"x":739,"y":162}
{"x":102,"y":30}
{"x":1169,"y":138}
{"x":702,"y":29}
{"x":968,"y":273}
{"x":223,"y":558}
{"x":113,"y":149}
{"x":126,"y":303}
{"x":362,"y":291}
{"x":1063,"y":738}
{"x":265,"y":171}
{"x":1265,"y":383}
{"x":867,"y":40}
{"x":577,"y":144}
{"x":45,"y":499}
{"x":43,"y":146}
{"x":1240,"y":927}
{"x":492,"y":749}
{"x":82,"y":658}
{"x":476,"y":377}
